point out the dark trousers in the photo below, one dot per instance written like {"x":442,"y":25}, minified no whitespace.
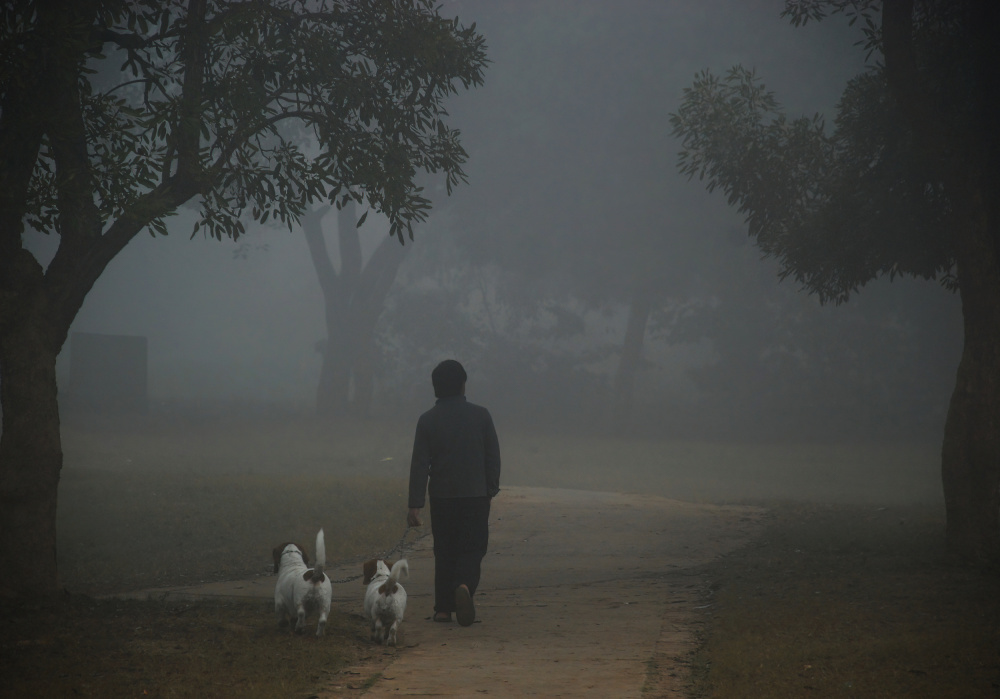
{"x":460,"y":527}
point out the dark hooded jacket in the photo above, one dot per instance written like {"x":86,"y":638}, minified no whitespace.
{"x":456,"y":449}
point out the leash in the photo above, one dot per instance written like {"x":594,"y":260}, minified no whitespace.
{"x":397,"y":548}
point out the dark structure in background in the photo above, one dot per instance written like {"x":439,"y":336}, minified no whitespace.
{"x":108,"y":373}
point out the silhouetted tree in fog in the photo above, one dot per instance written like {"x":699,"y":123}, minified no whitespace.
{"x":208,"y":87}
{"x":907,"y":183}
{"x":353,"y":301}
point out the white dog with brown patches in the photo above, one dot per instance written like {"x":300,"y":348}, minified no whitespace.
{"x":385,"y":598}
{"x":301,"y":590}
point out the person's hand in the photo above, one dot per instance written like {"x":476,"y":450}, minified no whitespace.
{"x":413,"y":517}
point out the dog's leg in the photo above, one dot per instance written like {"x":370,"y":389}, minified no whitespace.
{"x":279,"y":614}
{"x":321,"y":624}
{"x":379,"y":632}
{"x":301,"y":623}
{"x":391,"y":640}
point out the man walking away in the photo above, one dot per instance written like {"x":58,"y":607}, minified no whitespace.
{"x":456,"y":459}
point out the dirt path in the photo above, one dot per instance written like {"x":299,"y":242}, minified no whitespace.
{"x":584,"y":594}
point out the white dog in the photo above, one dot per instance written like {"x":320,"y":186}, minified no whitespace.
{"x":300,"y":589}
{"x":385,"y":598}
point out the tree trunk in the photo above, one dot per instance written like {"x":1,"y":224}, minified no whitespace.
{"x":631,"y":359}
{"x":373,"y":290}
{"x":354,"y":300}
{"x":970,"y":456}
{"x":30,"y":462}
{"x":966,"y":161}
{"x":331,"y":390}
{"x":334,"y":375}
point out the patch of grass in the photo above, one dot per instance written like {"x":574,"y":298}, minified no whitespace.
{"x":147,"y":505}
{"x":849,"y":601}
{"x":237,"y":445}
{"x":876,"y":472}
{"x":122,"y":531}
{"x":872,"y":472}
{"x":126,"y":648}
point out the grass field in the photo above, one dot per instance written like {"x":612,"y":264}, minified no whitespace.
{"x":211,"y":649}
{"x":849,"y":601}
{"x":846,"y":594}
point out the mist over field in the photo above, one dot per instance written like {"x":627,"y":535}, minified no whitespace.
{"x":574,"y":217}
{"x":637,"y":209}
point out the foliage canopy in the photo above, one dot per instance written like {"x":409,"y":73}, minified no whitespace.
{"x":836,"y":207}
{"x":259,"y":107}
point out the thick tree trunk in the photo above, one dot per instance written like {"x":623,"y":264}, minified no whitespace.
{"x":30,"y":462}
{"x":354,"y":300}
{"x":331,"y":390}
{"x":966,"y":161}
{"x":373,"y":290}
{"x":334,"y":376}
{"x":970,"y":457}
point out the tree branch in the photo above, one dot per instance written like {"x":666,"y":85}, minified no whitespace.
{"x":124,"y":41}
{"x":377,"y":280}
{"x":90,"y":261}
{"x":242,"y":135}
{"x":188,"y":127}
{"x":327,"y":275}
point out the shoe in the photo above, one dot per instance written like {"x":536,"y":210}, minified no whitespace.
{"x":465,"y":610}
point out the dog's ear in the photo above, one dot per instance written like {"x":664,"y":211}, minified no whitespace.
{"x":369,"y":569}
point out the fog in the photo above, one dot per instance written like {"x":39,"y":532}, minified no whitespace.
{"x":526,"y":274}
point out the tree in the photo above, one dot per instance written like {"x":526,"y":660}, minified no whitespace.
{"x":203,"y":115}
{"x":907,"y":183}
{"x":588,"y":215}
{"x":353,"y":301}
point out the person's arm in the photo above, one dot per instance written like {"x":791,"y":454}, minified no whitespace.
{"x":420,"y":463}
{"x":492,"y":451}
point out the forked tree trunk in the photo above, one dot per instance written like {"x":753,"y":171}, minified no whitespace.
{"x":970,"y":456}
{"x":354,"y":299}
{"x":30,"y":462}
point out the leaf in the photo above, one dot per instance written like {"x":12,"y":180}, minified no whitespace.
{"x":362,"y":219}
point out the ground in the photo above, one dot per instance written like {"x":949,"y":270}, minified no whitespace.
{"x":818,"y":570}
{"x":583,"y":594}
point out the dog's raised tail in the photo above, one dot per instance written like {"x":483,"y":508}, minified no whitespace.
{"x":317,"y":576}
{"x":400,"y":571}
